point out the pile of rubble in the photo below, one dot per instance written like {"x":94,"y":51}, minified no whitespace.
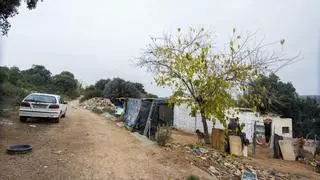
{"x":225,"y":166}
{"x":98,"y":103}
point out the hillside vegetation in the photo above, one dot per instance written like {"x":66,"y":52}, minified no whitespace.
{"x":15,"y":84}
{"x":116,"y":88}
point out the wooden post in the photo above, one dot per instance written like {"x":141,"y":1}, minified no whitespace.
{"x":148,"y":124}
{"x":254,"y":138}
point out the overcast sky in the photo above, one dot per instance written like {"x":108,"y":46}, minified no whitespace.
{"x":100,"y":39}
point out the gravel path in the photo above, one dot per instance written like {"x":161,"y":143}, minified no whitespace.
{"x":85,"y":146}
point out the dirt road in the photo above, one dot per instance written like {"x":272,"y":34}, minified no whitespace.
{"x":84,"y":146}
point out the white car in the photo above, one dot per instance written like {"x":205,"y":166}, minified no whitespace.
{"x":43,"y":106}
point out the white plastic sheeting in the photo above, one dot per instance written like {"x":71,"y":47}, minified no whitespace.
{"x":183,"y":121}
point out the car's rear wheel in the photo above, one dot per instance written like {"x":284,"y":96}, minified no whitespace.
{"x":64,"y":114}
{"x":23,"y":118}
{"x":56,"y":120}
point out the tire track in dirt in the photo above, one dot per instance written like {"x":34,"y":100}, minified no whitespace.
{"x":85,"y":146}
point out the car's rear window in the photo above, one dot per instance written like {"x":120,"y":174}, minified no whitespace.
{"x":41,"y":98}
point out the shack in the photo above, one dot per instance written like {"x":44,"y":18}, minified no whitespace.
{"x":145,"y":115}
{"x":184,"y":121}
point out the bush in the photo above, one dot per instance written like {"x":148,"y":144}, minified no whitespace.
{"x":192,"y":177}
{"x":163,"y":135}
{"x":12,"y":95}
{"x":90,"y":93}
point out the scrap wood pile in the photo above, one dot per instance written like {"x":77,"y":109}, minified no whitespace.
{"x":225,"y":166}
{"x":98,"y":103}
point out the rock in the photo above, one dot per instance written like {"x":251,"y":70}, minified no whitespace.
{"x":215,"y":154}
{"x":228,"y":165}
{"x":252,"y":170}
{"x":212,"y":170}
{"x":272,"y":172}
{"x":57,"y":152}
{"x":238,"y":172}
{"x":204,"y":158}
{"x":45,"y":167}
{"x":188,"y":148}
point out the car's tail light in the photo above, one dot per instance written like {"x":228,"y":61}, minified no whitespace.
{"x":25,"y":104}
{"x":54,"y":106}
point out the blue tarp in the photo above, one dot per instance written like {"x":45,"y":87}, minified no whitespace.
{"x":132,"y":111}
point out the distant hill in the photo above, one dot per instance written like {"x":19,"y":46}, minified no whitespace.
{"x":317,"y":97}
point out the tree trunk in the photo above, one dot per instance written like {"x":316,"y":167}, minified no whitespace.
{"x":205,"y":128}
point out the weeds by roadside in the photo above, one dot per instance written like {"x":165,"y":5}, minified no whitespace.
{"x":163,"y":134}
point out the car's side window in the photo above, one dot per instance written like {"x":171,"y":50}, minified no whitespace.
{"x":60,"y":101}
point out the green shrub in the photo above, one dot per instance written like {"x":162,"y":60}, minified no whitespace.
{"x":90,"y":93}
{"x":12,"y":94}
{"x":163,"y":135}
{"x":192,"y":177}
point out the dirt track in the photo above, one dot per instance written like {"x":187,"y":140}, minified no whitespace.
{"x":85,"y":146}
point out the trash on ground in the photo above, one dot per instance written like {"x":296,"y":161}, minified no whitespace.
{"x":226,"y":166}
{"x":199,"y":151}
{"x":246,"y":175}
{"x":32,"y":125}
{"x":120,"y":124}
{"x":119,"y":111}
{"x":19,"y":149}
{"x":98,"y":103}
